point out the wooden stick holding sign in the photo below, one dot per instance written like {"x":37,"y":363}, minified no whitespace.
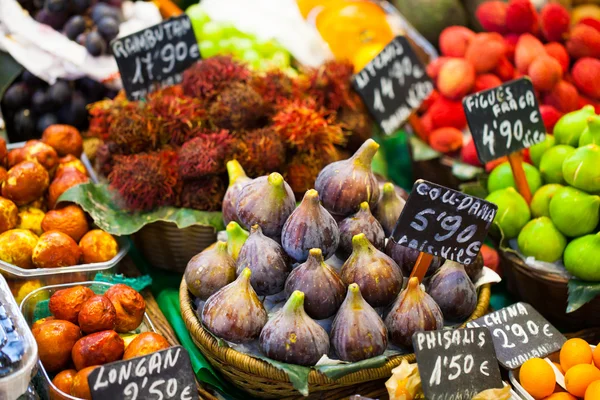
{"x":439,"y":221}
{"x":503,"y":121}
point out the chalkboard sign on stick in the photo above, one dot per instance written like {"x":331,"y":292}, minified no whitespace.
{"x":443,"y":222}
{"x":156,"y":56}
{"x":393,"y":84}
{"x":165,"y":374}
{"x":504,"y":119}
{"x":520,"y":333}
{"x":456,"y":364}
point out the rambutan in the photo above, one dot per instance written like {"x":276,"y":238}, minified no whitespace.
{"x":204,"y":194}
{"x":357,"y":125}
{"x":301,"y":172}
{"x":237,"y":107}
{"x":330,"y":85}
{"x":260,"y":151}
{"x":274,"y":87}
{"x":145,"y":181}
{"x":179,"y":117}
{"x":208,"y":77}
{"x":104,"y":157}
{"x":204,"y":155}
{"x":134,"y":128}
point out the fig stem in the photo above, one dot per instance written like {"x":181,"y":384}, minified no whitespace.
{"x":311,"y":196}
{"x":364,"y":206}
{"x":275,"y":179}
{"x":295,"y":303}
{"x":360,"y":242}
{"x":234,"y":229}
{"x":221,"y":247}
{"x":235,"y":172}
{"x":389,"y":191}
{"x":316,"y":254}
{"x":355,"y":296}
{"x":364,"y":155}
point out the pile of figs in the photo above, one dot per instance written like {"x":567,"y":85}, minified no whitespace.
{"x":276,"y":248}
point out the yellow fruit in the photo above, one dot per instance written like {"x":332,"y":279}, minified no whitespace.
{"x":31,"y":218}
{"x":579,"y":377}
{"x":537,"y":378}
{"x":596,"y":356}
{"x":593,"y":391}
{"x":561,"y":396}
{"x":557,"y":365}
{"x":365,"y":54}
{"x":27,"y":288}
{"x":575,"y":351}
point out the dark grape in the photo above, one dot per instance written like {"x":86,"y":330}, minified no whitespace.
{"x":101,"y":10}
{"x":55,"y":20}
{"x":94,"y":44}
{"x":114,"y":3}
{"x":56,"y":6}
{"x":81,"y":39}
{"x":24,"y":124}
{"x":60,"y":93}
{"x":37,"y":4}
{"x":74,"y":27}
{"x":16,"y":96}
{"x":80,"y":6}
{"x":74,"y":113}
{"x":91,"y":89}
{"x":108,"y":27}
{"x":41,"y":102}
{"x":31,"y":80}
{"x":45,"y":121}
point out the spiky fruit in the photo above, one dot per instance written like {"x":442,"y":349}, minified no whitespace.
{"x":444,"y":112}
{"x":555,"y":22}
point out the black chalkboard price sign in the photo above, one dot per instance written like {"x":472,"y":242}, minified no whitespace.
{"x":393,"y":84}
{"x":163,"y":375}
{"x":520,"y":333}
{"x":156,"y":56}
{"x":456,"y":364}
{"x":504,"y":119}
{"x":444,"y":222}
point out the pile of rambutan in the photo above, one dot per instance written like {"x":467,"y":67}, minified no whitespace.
{"x":171,"y":149}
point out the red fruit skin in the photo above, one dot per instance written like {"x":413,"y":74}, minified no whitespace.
{"x":433,"y":68}
{"x":589,"y":21}
{"x":446,"y":140}
{"x":489,"y":167}
{"x":429,"y":101}
{"x":555,"y":22}
{"x":586,"y":77}
{"x":521,"y":17}
{"x":491,"y":259}
{"x":510,"y":42}
{"x":456,"y":78}
{"x":446,"y":112}
{"x":454,"y":41}
{"x":485,"y":82}
{"x":527,"y":156}
{"x":504,"y":70}
{"x":528,"y":49}
{"x":427,"y":126}
{"x":583,"y":101}
{"x":545,"y":72}
{"x":564,"y":97}
{"x":550,"y":116}
{"x":558,"y":51}
{"x":469,"y":154}
{"x":584,"y":42}
{"x":485,"y":51}
{"x":492,"y":16}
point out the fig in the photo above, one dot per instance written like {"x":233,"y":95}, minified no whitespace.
{"x":360,"y":222}
{"x":267,"y":201}
{"x":209,"y":271}
{"x":552,"y":162}
{"x":310,"y":226}
{"x":291,"y":336}
{"x":581,"y":257}
{"x":413,"y":311}
{"x":377,"y":275}
{"x":357,"y":332}
{"x":406,"y":258}
{"x":574,"y":212}
{"x":513,"y":211}
{"x":237,"y":179}
{"x":541,"y":240}
{"x":591,"y":133}
{"x":570,"y":126}
{"x":236,"y":237}
{"x":536,"y":152}
{"x":541,"y":200}
{"x":389,"y":208}
{"x":322,"y":287}
{"x":453,"y":291}
{"x":235,"y":313}
{"x":474,"y":269}
{"x":581,"y":170}
{"x":343,"y":185}
{"x":267,"y":261}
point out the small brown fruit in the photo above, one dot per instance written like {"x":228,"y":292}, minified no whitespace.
{"x":70,"y":220}
{"x":14,"y":157}
{"x":62,"y":183}
{"x":97,"y":314}
{"x":145,"y":343}
{"x":55,"y":249}
{"x":98,"y":246}
{"x":16,"y":247}
{"x":80,"y":387}
{"x":97,"y":349}
{"x":55,"y":340}
{"x":63,"y":382}
{"x":66,"y":303}
{"x":9,"y":215}
{"x":26,"y":182}
{"x":3,"y":174}
{"x":70,"y":163}
{"x":65,"y":139}
{"x":31,"y":218}
{"x":34,"y":150}
{"x":130,"y":306}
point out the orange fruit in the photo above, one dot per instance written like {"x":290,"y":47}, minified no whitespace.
{"x":365,"y":54}
{"x":596,"y":356}
{"x":593,"y":391}
{"x":575,"y":351}
{"x":557,"y":365}
{"x":537,"y":378}
{"x":561,"y":396}
{"x":579,"y":377}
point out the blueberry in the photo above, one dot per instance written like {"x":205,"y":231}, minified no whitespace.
{"x":56,"y":6}
{"x":74,"y":27}
{"x":16,"y":96}
{"x":60,"y":93}
{"x":101,"y":10}
{"x":94,"y":44}
{"x":24,"y":124}
{"x":45,"y":121}
{"x":108,"y":27}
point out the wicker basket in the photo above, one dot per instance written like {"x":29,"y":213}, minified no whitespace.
{"x":168,"y":247}
{"x":261,"y":379}
{"x":548,"y":294}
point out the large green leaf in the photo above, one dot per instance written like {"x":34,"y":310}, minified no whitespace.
{"x":337,"y":371}
{"x":581,"y":292}
{"x":298,"y":374}
{"x":421,"y":150}
{"x":99,"y":202}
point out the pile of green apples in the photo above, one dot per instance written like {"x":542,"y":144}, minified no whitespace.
{"x":223,"y":38}
{"x":562,"y":221}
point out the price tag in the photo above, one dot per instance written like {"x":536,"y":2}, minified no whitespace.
{"x":165,"y":374}
{"x":456,"y":364}
{"x":504,"y":119}
{"x":520,"y":333}
{"x":156,"y":56}
{"x":393,"y":84}
{"x":444,"y":222}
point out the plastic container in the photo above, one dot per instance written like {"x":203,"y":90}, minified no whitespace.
{"x":35,"y":306}
{"x":15,"y":384}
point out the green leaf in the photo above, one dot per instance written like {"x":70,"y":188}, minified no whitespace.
{"x":338,"y":371}
{"x":298,"y":374}
{"x":421,"y":150}
{"x":581,"y":292}
{"x":8,"y":72}
{"x":474,"y":189}
{"x":99,"y":202}
{"x":465,"y":171}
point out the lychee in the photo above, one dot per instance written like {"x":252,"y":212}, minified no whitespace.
{"x":504,"y":70}
{"x":469,"y":153}
{"x":433,"y":96}
{"x":485,"y":82}
{"x":584,"y":42}
{"x":492,"y":16}
{"x":446,"y":140}
{"x":558,"y":51}
{"x":485,"y":51}
{"x":555,"y":22}
{"x":456,"y":78}
{"x":586,"y":77}
{"x":550,"y":116}
{"x":521,"y":17}
{"x":455,"y":40}
{"x":528,"y":48}
{"x":593,"y":22}
{"x":427,"y":127}
{"x":433,"y":68}
{"x":510,"y":42}
{"x":564,"y":97}
{"x":545,"y":72}
{"x":446,"y":112}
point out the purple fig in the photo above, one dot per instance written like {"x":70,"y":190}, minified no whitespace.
{"x":237,"y":180}
{"x":291,"y":336}
{"x":322,"y":287}
{"x":235,"y":313}
{"x":236,"y":237}
{"x":406,"y":258}
{"x":343,"y":185}
{"x":360,"y":222}
{"x":357,"y":332}
{"x":310,"y":226}
{"x":389,"y":208}
{"x":267,"y":201}
{"x":267,"y":261}
{"x":453,"y":291}
{"x":209,"y":271}
{"x":413,"y":311}
{"x":377,"y":275}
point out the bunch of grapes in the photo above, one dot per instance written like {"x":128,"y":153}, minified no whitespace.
{"x":30,"y":105}
{"x":91,"y":23}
